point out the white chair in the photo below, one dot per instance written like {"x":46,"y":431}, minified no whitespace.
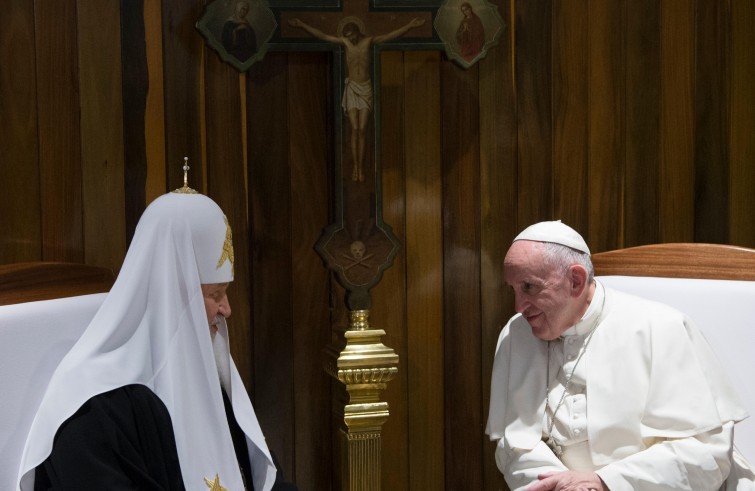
{"x":44,"y":308}
{"x":715,"y":286}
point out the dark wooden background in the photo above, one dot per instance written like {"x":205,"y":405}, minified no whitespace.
{"x":631,"y":120}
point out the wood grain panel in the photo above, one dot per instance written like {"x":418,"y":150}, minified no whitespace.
{"x":423,"y":249}
{"x":642,"y":122}
{"x":182,"y":48}
{"x":742,"y":143}
{"x":677,"y":173}
{"x":461,"y":277}
{"x":606,"y":126}
{"x":272,"y":254}
{"x":225,"y":185}
{"x":20,"y":214}
{"x":498,"y":133}
{"x":101,"y":133}
{"x":310,"y":161}
{"x":533,"y":82}
{"x":389,"y":296}
{"x":711,"y":128}
{"x":135,"y":88}
{"x":154,"y":117}
{"x":570,"y":112}
{"x":59,"y":132}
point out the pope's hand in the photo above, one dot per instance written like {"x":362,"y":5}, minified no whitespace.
{"x":568,"y":481}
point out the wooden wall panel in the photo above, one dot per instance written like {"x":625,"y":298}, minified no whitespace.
{"x":498,"y":157}
{"x":59,"y":131}
{"x":534,"y":110}
{"x":461,"y":277}
{"x":135,"y":83}
{"x":711,"y":128}
{"x":423,"y":252}
{"x":154,"y":117}
{"x":570,"y":107}
{"x":309,"y":105}
{"x":20,"y":214}
{"x":742,"y":125}
{"x":605,"y":127}
{"x":642,"y":122}
{"x":182,"y":48}
{"x":271,"y":250}
{"x":388,"y":309}
{"x":102,"y":160}
{"x":677,"y":173}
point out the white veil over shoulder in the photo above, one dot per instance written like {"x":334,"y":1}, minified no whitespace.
{"x":152,"y":330}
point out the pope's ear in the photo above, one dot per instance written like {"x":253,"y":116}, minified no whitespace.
{"x":578,"y":279}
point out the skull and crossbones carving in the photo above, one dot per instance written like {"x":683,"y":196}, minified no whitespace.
{"x":358,"y":256}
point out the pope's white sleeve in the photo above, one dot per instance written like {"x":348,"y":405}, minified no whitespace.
{"x":696,"y":463}
{"x":520,"y":467}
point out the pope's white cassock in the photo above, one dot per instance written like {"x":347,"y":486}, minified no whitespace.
{"x":638,"y":397}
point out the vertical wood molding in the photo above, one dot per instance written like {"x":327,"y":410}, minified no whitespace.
{"x":677,"y":173}
{"x":59,"y":131}
{"x":154,"y":104}
{"x":423,"y":250}
{"x":102,"y":148}
{"x":605,"y":127}
{"x":182,"y":48}
{"x":534,"y":111}
{"x":742,"y":124}
{"x":389,"y":307}
{"x":570,"y":81}
{"x":461,"y":276}
{"x":272,"y":255}
{"x":311,"y":172}
{"x":712,"y":106}
{"x":642,"y":141}
{"x":20,"y":213}
{"x":498,"y":157}
{"x":135,"y":86}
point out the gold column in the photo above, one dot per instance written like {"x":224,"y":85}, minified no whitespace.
{"x":363,"y":368}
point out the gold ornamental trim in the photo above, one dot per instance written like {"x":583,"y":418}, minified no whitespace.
{"x":367,"y":375}
{"x":214,"y":485}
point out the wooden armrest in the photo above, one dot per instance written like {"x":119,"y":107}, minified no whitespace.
{"x":31,"y":282}
{"x":679,"y":260}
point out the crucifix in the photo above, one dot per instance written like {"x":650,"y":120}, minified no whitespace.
{"x":355,"y":33}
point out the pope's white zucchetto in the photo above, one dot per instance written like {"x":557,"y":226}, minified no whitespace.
{"x":555,"y":232}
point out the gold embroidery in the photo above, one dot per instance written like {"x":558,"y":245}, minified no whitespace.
{"x":227,"y":246}
{"x":214,"y":485}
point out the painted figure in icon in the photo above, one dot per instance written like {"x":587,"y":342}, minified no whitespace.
{"x":471,"y":34}
{"x":238,"y":37}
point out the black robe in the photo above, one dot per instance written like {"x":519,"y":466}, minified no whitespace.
{"x":123,"y":440}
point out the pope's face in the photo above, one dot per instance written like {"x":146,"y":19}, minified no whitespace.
{"x":543,"y":293}
{"x":216,"y":304}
